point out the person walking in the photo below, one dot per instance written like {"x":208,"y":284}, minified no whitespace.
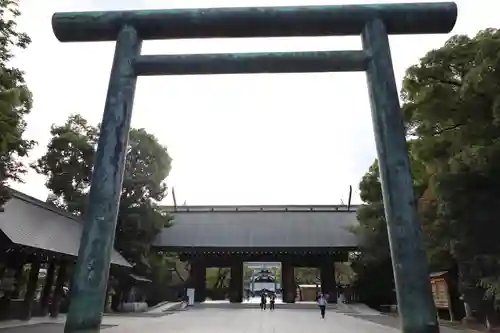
{"x":322,"y":305}
{"x":341,"y":298}
{"x":263,"y":301}
{"x":272,"y":301}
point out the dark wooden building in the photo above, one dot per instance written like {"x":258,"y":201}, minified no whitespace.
{"x":36,"y":234}
{"x":228,"y":236}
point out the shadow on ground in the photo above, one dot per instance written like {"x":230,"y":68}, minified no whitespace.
{"x":141,"y":314}
{"x":41,"y":328}
{"x":391,"y":321}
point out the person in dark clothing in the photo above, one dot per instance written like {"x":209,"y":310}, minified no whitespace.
{"x":272,"y":300}
{"x":263,"y":301}
{"x":322,"y":302}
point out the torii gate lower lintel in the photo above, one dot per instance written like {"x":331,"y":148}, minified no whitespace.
{"x":373,"y":22}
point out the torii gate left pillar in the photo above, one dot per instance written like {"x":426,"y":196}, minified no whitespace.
{"x":373,"y":22}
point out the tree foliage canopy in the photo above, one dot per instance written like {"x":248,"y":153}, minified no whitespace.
{"x":68,"y":164}
{"x":451,"y":106}
{"x":15,"y":100}
{"x":451,"y":103}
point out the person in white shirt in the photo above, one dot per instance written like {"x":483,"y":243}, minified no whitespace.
{"x":341,"y":299}
{"x":322,"y":302}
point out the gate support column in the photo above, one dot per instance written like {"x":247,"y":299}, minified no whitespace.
{"x":327,"y":275}
{"x":47,"y":288}
{"x":29,"y":297}
{"x":411,"y":271}
{"x":198,"y":274}
{"x":288,"y":281}
{"x":236,"y":282}
{"x":57,"y":297}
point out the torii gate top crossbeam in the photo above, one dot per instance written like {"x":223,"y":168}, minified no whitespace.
{"x":409,"y":18}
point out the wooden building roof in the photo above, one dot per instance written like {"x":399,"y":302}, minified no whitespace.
{"x":29,"y":222}
{"x":254,"y":228}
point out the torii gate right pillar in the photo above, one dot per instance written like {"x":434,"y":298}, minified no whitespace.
{"x":411,"y":272}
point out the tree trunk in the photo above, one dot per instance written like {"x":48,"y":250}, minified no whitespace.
{"x":221,"y":278}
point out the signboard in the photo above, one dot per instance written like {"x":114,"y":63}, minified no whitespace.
{"x":263,"y":265}
{"x":440,"y":293}
{"x":190,"y":295}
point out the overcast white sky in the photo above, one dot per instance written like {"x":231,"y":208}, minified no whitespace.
{"x":234,"y":139}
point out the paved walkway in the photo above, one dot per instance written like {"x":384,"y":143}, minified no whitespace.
{"x":213,"y":320}
{"x":256,"y":300}
{"x":231,"y":320}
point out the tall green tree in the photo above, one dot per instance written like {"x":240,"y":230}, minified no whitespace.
{"x":373,"y":264}
{"x":451,"y":108}
{"x":15,"y":100}
{"x":307,"y":275}
{"x":68,"y":164}
{"x":451,"y":104}
{"x":218,"y":277}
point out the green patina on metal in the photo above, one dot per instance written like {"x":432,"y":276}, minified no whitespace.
{"x":88,"y":288}
{"x":412,"y":18}
{"x":415,"y":303}
{"x":238,"y":63}
{"x":373,"y":22}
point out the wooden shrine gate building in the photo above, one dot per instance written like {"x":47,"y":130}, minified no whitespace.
{"x":228,"y":236}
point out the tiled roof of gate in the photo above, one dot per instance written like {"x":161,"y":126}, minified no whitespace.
{"x":30,"y":222}
{"x":260,"y":227}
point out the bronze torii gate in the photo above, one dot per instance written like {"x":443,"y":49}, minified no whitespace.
{"x":373,"y":22}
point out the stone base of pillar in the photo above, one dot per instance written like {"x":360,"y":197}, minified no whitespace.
{"x":289,"y":297}
{"x":200,"y":295}
{"x":234,"y":297}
